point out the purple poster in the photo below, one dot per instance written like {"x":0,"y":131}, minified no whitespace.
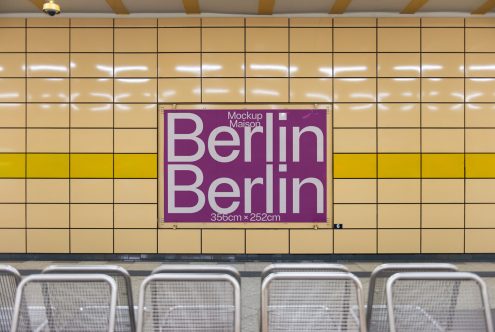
{"x":245,"y":166}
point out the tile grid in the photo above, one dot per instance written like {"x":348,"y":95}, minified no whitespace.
{"x":375,"y":127}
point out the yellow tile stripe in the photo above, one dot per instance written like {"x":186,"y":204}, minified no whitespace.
{"x":480,"y":165}
{"x":399,"y":166}
{"x":12,"y":165}
{"x":91,"y":166}
{"x":135,"y":166}
{"x":48,"y":165}
{"x":355,"y":166}
{"x":449,"y":165}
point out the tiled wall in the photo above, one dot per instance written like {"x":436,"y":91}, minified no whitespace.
{"x":413,"y":129}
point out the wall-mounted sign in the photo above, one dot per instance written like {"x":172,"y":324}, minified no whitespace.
{"x":245,"y":165}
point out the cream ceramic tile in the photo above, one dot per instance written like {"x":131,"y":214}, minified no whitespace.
{"x":91,"y":140}
{"x":135,"y":140}
{"x":399,"y":191}
{"x":48,"y":40}
{"x":85,"y":90}
{"x":12,"y":215}
{"x":443,"y":216}
{"x":179,"y":90}
{"x":13,"y":40}
{"x":48,"y":115}
{"x":355,"y":215}
{"x":12,"y":90}
{"x":47,"y":216}
{"x":267,"y":40}
{"x":91,"y":215}
{"x":480,"y":191}
{"x":135,"y":40}
{"x":135,"y":65}
{"x":310,"y":65}
{"x":399,"y":115}
{"x":442,"y":140}
{"x":179,"y":22}
{"x":135,"y":215}
{"x":47,"y":65}
{"x":355,"y":90}
{"x":48,"y":90}
{"x":135,"y":116}
{"x":354,"y":191}
{"x":442,"y":191}
{"x":479,"y":241}
{"x":12,"y":115}
{"x":399,"y":140}
{"x":266,"y":21}
{"x":37,"y":241}
{"x":91,"y":65}
{"x":91,"y":115}
{"x":37,"y":193}
{"x":13,"y":190}
{"x":222,"y":21}
{"x":179,"y":40}
{"x":223,"y":90}
{"x":222,"y":39}
{"x":480,"y":115}
{"x":354,"y":64}
{"x":393,"y":241}
{"x":91,"y":22}
{"x":267,"y":90}
{"x":480,"y":215}
{"x":311,"y":22}
{"x":354,"y":40}
{"x":135,"y":90}
{"x":311,"y":40}
{"x":311,"y":90}
{"x":43,"y":22}
{"x":354,"y":115}
{"x":135,"y":191}
{"x":480,"y":65}
{"x":399,"y":64}
{"x":355,"y":241}
{"x":92,"y":241}
{"x":442,"y":39}
{"x":480,"y":90}
{"x":399,"y":40}
{"x":179,"y":241}
{"x":91,"y":40}
{"x":442,"y":21}
{"x":442,"y":90}
{"x":13,"y":241}
{"x":221,"y":241}
{"x":311,"y":241}
{"x":442,"y":65}
{"x":12,"y":64}
{"x":180,"y":65}
{"x":399,"y":215}
{"x":267,"y":241}
{"x":91,"y":191}
{"x":135,"y":22}
{"x":12,"y":140}
{"x":135,"y":241}
{"x":480,"y":140}
{"x":222,"y":65}
{"x":267,"y":65}
{"x":48,"y":140}
{"x":443,"y":115}
{"x":398,"y":90}
{"x":354,"y":22}
{"x":452,"y":241}
{"x":354,"y":140}
{"x":476,"y":40}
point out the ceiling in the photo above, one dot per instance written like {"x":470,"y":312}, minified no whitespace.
{"x":252,"y":7}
